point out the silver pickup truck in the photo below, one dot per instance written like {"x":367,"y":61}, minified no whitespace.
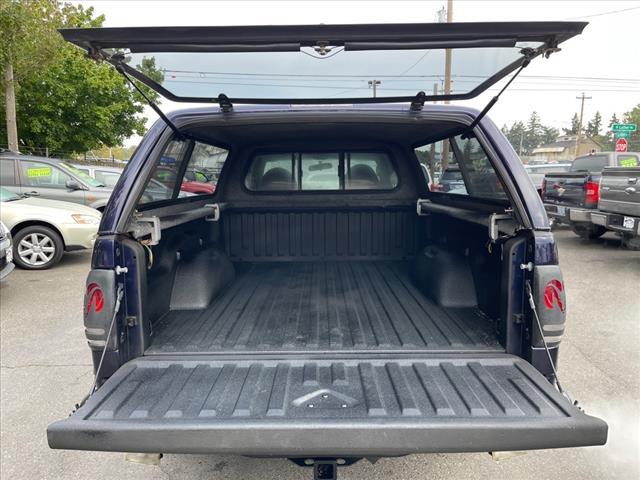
{"x":619,"y":204}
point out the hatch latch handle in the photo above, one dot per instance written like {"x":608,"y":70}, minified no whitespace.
{"x":418,"y":102}
{"x":225,"y":104}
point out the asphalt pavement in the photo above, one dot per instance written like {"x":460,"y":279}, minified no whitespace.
{"x":46,"y":369}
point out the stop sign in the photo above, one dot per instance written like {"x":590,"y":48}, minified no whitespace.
{"x":621,"y":145}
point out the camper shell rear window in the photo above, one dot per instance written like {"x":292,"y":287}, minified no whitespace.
{"x":321,"y":171}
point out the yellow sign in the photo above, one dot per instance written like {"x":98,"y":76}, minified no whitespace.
{"x":39,"y":172}
{"x":629,"y":162}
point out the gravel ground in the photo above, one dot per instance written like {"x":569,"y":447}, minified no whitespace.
{"x":46,"y":368}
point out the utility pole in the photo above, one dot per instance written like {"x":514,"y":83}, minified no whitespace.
{"x":582,"y":98}
{"x":447,"y":84}
{"x":373,"y":84}
{"x":432,"y":153}
{"x":447,"y":57}
{"x":521,"y":141}
{"x":10,"y":106}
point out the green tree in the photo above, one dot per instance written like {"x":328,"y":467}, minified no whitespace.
{"x":594,"y":126}
{"x":633,"y":116}
{"x":614,"y":119}
{"x":549,"y":135}
{"x":26,"y":26}
{"x":575,"y":125}
{"x":608,"y":140}
{"x":515,"y":134}
{"x":527,"y":137}
{"x":75,"y":104}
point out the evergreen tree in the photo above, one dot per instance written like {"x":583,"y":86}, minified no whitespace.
{"x":575,"y":125}
{"x":594,"y":126}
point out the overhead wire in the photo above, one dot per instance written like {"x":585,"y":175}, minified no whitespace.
{"x":601,"y":14}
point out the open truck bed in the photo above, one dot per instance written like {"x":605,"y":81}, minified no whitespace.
{"x":323,"y":306}
{"x":325,"y":359}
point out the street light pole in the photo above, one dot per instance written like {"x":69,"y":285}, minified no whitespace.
{"x":373,"y":84}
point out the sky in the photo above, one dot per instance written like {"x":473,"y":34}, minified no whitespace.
{"x":603,"y":62}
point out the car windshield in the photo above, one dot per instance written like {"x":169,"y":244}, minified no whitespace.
{"x":7,"y":196}
{"x":92,"y":182}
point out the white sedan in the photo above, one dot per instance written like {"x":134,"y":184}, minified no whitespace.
{"x":43,"y":230}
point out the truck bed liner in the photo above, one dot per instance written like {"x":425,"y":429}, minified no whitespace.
{"x":323,"y":306}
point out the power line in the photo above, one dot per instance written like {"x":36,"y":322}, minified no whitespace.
{"x":416,"y":63}
{"x":611,"y":12}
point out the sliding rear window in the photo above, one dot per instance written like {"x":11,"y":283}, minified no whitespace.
{"x":321,"y":171}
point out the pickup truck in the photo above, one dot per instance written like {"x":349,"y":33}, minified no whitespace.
{"x":322,"y":304}
{"x":619,"y":204}
{"x":571,"y":197}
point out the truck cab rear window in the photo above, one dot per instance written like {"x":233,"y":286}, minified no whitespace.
{"x":314,"y":171}
{"x":590,"y":163}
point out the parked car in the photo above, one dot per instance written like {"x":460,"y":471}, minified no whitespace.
{"x":538,"y":171}
{"x":427,"y":175}
{"x":50,"y":178}
{"x":571,"y":197}
{"x":107,"y":176}
{"x":322,"y":304}
{"x":167,"y":176}
{"x":6,"y":252}
{"x":619,"y":204}
{"x":450,"y":180}
{"x":43,"y":230}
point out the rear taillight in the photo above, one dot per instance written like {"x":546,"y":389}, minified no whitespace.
{"x":591,"y":194}
{"x":94,"y":298}
{"x":544,"y":187}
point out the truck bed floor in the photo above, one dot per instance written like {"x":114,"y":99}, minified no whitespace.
{"x":323,"y":306}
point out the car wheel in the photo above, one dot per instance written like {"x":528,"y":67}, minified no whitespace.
{"x":37,"y":248}
{"x":588,"y":231}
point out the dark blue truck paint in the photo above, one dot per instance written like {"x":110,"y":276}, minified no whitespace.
{"x":342,"y":323}
{"x":136,"y":334}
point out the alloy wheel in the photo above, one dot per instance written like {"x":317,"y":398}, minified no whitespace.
{"x":36,"y":249}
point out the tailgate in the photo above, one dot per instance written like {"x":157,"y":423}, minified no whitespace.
{"x":346,"y":407}
{"x":565,"y":189}
{"x":620,"y":191}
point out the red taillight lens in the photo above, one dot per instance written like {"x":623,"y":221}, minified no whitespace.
{"x":544,"y":187}
{"x":94,"y":298}
{"x":591,"y":194}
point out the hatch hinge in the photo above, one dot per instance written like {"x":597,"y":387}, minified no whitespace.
{"x":118,"y":62}
{"x":550,"y":47}
{"x":418,"y":102}
{"x":99,"y":55}
{"x":225,"y":104}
